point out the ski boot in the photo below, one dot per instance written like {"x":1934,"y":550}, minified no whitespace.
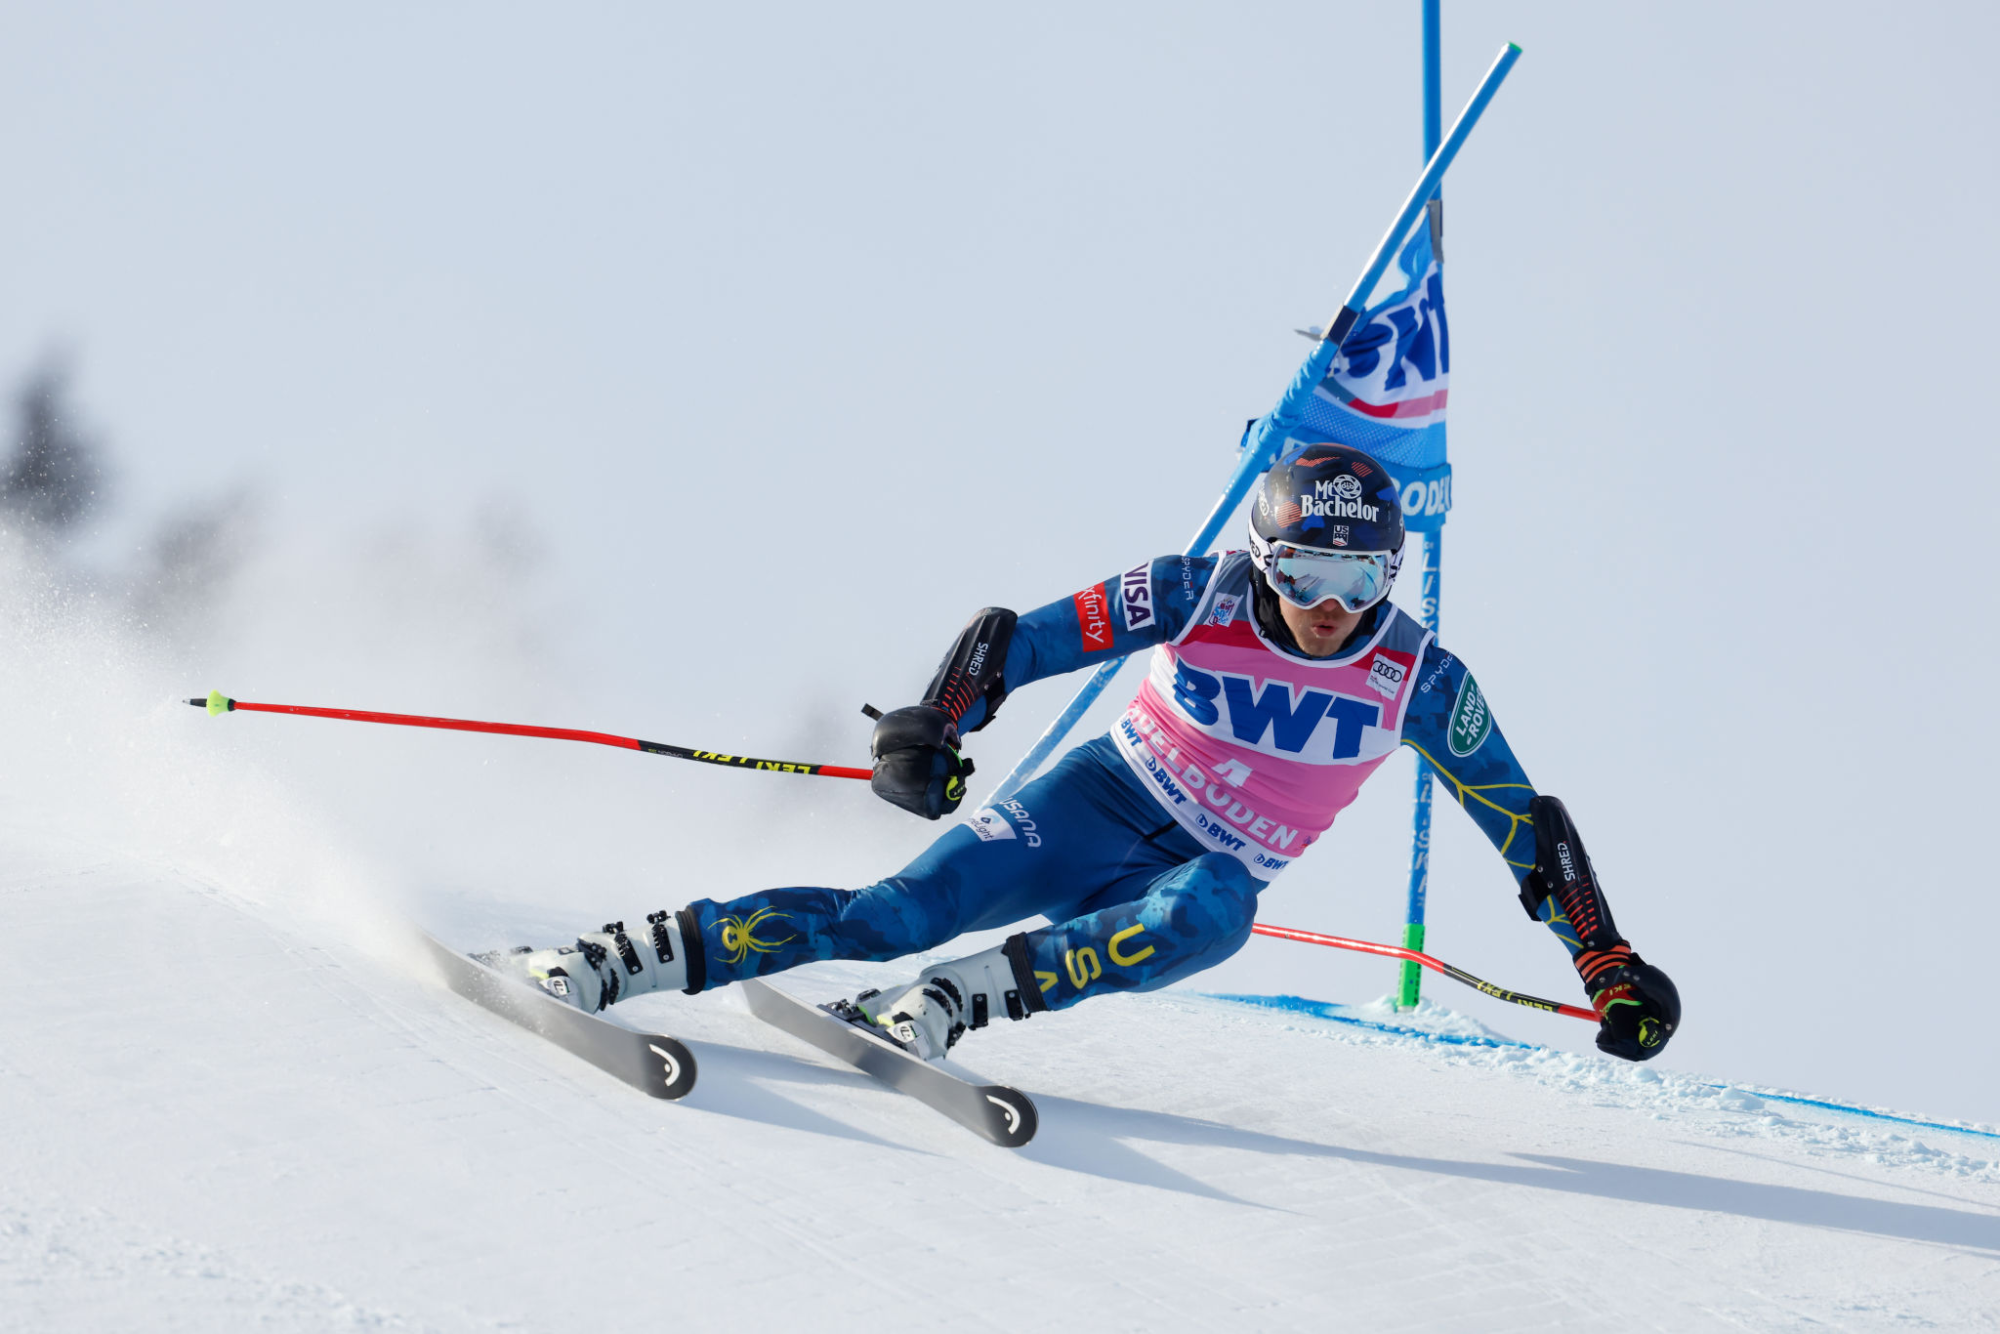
{"x":603,"y":967}
{"x":927,"y":1016}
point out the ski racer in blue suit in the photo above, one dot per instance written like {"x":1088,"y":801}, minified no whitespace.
{"x":1281,"y":678}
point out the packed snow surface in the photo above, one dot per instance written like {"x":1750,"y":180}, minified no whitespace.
{"x":223,"y":1113}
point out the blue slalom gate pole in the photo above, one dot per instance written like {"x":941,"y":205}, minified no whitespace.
{"x":1411,"y":982}
{"x":1270,"y":431}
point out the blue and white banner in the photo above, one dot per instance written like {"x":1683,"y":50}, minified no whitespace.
{"x":1387,"y":387}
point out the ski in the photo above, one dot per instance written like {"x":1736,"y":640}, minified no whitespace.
{"x":648,"y":1062}
{"x":995,"y":1112}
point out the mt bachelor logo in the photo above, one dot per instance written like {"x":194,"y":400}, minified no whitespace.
{"x":1338,"y":498}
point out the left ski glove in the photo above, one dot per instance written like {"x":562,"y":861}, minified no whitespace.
{"x":1638,"y":1009}
{"x":1637,"y":1006}
{"x":917,"y":762}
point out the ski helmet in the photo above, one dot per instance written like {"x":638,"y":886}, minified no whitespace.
{"x":1327,"y":523}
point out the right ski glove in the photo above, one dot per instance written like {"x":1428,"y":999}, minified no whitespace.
{"x":917,"y":763}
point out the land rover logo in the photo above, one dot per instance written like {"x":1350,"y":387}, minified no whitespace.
{"x":1346,"y":487}
{"x":1471,"y":720}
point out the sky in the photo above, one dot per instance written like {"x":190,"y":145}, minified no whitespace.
{"x":695,"y":372}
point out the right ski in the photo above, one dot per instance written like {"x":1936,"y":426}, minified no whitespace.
{"x":649,"y":1062}
{"x":1003,"y":1115}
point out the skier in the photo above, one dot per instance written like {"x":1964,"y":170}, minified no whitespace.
{"x":1281,"y":677}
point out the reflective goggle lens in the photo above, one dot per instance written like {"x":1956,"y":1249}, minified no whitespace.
{"x":1308,"y":578}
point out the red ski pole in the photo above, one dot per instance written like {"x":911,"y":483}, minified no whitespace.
{"x":217,"y":702}
{"x":1435,"y":965}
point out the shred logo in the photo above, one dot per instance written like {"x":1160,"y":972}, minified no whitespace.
{"x":1289,"y":716}
{"x":1471,"y":720}
{"x":1137,"y":587}
{"x":739,"y":935}
{"x":1093,"y":617}
{"x":1385,"y":676}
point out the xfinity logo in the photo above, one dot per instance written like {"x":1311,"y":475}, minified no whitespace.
{"x":1093,"y":617}
{"x":1136,"y":585}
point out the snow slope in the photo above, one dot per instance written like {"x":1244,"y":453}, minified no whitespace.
{"x":232,"y":1096}
{"x":223,"y":1113}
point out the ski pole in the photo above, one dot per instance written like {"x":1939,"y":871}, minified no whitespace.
{"x":1435,"y":965}
{"x":217,"y":702}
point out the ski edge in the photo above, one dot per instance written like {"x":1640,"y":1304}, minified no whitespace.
{"x":998,"y":1113}
{"x":655,"y":1064}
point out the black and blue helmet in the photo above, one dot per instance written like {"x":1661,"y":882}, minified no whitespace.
{"x":1327,"y":522}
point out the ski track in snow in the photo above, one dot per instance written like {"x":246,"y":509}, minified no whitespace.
{"x":243,"y":1124}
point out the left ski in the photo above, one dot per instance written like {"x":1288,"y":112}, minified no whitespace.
{"x":995,"y":1112}
{"x":649,"y":1062}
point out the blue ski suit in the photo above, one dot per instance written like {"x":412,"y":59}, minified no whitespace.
{"x":1133,"y":899}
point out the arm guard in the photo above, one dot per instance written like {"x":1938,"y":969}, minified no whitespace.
{"x":1563,"y":873}
{"x":975,"y":669}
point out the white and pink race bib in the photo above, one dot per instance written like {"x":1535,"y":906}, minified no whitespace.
{"x":1253,"y":750}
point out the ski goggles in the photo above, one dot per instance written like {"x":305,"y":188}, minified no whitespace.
{"x":1308,"y":576}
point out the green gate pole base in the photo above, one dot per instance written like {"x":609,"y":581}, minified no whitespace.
{"x":1413,"y":939}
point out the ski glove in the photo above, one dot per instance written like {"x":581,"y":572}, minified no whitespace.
{"x":1638,"y":1008}
{"x":917,"y":764}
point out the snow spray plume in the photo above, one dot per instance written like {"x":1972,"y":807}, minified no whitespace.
{"x":217,"y":702}
{"x":1435,"y":965}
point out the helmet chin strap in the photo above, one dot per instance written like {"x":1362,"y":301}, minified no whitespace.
{"x":1264,"y":606}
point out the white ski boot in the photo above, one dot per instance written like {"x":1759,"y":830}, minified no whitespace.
{"x":927,"y":1016}
{"x":603,"y":967}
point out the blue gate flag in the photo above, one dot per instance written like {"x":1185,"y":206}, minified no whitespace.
{"x":1385,"y":392}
